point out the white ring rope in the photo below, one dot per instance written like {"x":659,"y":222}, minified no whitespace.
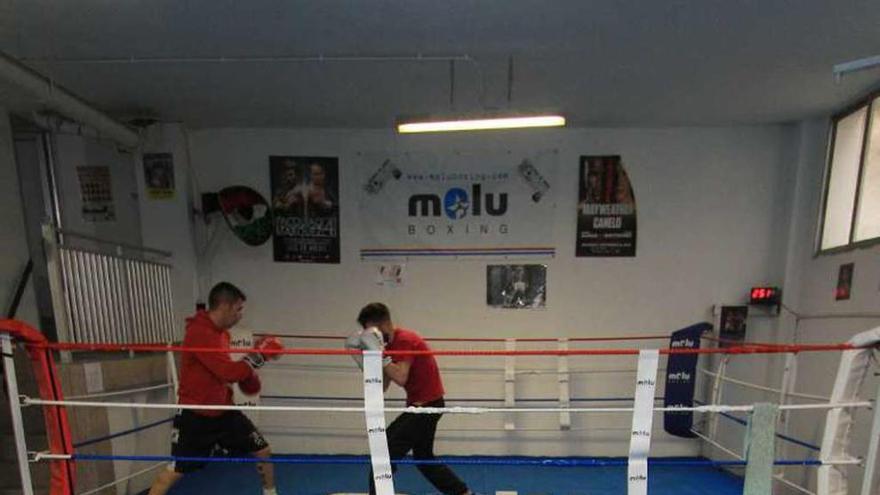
{"x":833,"y":462}
{"x":27,"y":401}
{"x":118,"y":481}
{"x":781,"y":479}
{"x":777,"y":477}
{"x":130,"y":391}
{"x":718,"y":445}
{"x":761,"y":387}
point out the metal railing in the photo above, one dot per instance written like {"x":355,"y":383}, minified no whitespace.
{"x":108,"y":292}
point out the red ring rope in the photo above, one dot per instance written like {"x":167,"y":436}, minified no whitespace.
{"x":744,"y":349}
{"x":472,"y":339}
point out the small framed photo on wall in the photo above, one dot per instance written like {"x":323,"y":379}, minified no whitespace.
{"x":516,"y":286}
{"x":844,"y":282}
{"x":733,"y":325}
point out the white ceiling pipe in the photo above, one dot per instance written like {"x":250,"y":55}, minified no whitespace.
{"x":256,"y":59}
{"x":64,"y":102}
{"x":840,"y":70}
{"x":63,"y":125}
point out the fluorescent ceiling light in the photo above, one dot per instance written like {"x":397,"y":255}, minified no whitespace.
{"x":482,"y":124}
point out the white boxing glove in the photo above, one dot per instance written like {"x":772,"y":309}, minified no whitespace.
{"x":368,"y":339}
{"x":354,"y":342}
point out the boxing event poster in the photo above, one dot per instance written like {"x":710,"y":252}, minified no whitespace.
{"x":606,"y":218}
{"x":516,"y":286}
{"x":733,"y":324}
{"x":96,"y":193}
{"x":305,"y":208}
{"x":452,"y":205}
{"x":159,"y":175}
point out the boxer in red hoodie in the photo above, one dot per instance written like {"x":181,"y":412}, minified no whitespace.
{"x":207,"y":378}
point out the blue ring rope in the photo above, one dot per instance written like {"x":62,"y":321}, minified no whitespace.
{"x":122,"y":433}
{"x":168,"y":420}
{"x":787,"y":438}
{"x":111,"y":436}
{"x":494,"y":461}
{"x":598,"y":399}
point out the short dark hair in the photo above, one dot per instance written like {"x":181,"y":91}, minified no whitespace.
{"x":224,"y":292}
{"x":373,"y":313}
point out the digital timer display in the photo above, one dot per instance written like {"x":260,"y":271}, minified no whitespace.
{"x":769,"y":296}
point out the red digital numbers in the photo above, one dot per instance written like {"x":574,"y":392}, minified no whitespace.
{"x":764,"y":295}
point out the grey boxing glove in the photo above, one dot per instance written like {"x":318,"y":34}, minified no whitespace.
{"x":353,"y":342}
{"x":368,"y":339}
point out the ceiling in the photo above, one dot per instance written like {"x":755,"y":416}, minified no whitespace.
{"x":600,"y":62}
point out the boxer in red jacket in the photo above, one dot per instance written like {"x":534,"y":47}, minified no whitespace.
{"x":207,"y":378}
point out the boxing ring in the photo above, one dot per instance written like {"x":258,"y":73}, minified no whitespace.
{"x":693,"y":361}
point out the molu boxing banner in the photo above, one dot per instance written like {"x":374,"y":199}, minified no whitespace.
{"x":681,"y":375}
{"x":476,"y":204}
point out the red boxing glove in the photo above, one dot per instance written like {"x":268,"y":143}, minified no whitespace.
{"x":269,"y":344}
{"x":251,"y":385}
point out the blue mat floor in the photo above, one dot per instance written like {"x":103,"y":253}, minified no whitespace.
{"x":322,"y":479}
